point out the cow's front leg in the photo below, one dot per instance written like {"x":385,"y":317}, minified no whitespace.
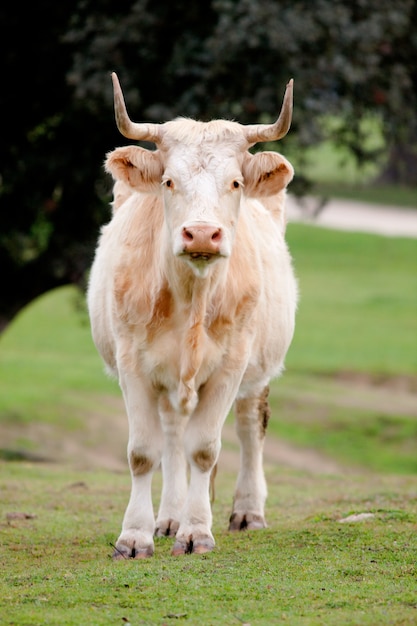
{"x":194,"y":533}
{"x":202,"y":442}
{"x":144,"y":454}
{"x":174,"y":470}
{"x":252,"y":416}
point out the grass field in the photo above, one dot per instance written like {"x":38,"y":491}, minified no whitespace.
{"x":352,"y":368}
{"x":358,"y":302}
{"x":349,"y":393}
{"x":307,"y":569}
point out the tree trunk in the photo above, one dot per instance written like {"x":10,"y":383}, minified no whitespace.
{"x":401,"y":167}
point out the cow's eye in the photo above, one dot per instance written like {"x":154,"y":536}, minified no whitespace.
{"x":235,"y":184}
{"x":169,"y":183}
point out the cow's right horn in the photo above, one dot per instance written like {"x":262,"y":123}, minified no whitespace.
{"x":129,"y":129}
{"x":271,"y":132}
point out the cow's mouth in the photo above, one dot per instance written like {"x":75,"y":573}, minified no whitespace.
{"x":201,"y":256}
{"x":200,"y":262}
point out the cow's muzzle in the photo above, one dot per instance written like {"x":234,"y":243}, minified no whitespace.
{"x":202,"y":241}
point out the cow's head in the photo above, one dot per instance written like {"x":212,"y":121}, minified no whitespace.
{"x":201,"y":170}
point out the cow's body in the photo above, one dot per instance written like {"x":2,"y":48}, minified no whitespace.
{"x":192,"y":302}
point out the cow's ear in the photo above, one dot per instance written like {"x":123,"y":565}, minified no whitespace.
{"x":140,"y":169}
{"x":266,"y":173}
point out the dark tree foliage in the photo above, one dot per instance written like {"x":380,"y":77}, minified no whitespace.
{"x":347,"y":58}
{"x":50,"y":158}
{"x":225,"y":58}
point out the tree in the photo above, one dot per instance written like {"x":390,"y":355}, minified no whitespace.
{"x":348,"y":58}
{"x":227,"y":58}
{"x":60,"y":124}
{"x":49,"y":167}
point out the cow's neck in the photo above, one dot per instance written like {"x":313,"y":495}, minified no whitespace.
{"x":189,"y":290}
{"x":193,"y":295}
{"x":192,"y":346}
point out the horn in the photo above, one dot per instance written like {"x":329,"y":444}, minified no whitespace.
{"x":129,"y":129}
{"x":272,"y":132}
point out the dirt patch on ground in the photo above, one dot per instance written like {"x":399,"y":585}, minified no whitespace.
{"x":404,"y":383}
{"x":395,"y":395}
{"x":101,"y":443}
{"x":276,"y":453}
{"x":101,"y":440}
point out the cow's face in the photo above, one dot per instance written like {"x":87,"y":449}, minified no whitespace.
{"x":202,"y":188}
{"x":202,"y":172}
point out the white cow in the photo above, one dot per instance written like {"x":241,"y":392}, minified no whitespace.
{"x":192,"y":301}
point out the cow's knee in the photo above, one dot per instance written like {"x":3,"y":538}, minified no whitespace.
{"x":140,"y":461}
{"x":205,"y":459}
{"x":202,"y":454}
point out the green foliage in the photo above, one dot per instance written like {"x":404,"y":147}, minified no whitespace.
{"x":225,"y":58}
{"x":336,"y":173}
{"x":331,"y":161}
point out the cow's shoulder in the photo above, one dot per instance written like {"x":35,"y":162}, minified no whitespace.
{"x":137,"y":240}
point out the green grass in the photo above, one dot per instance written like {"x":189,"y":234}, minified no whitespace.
{"x":48,"y":363}
{"x":358,"y":302}
{"x":376,"y":437}
{"x":306,"y":569}
{"x":354,"y":344}
{"x":348,"y":392}
{"x":355,"y":347}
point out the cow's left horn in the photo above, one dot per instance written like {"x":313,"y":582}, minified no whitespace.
{"x":272,"y":132}
{"x":129,"y":129}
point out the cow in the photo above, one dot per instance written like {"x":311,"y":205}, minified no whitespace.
{"x":192,"y":299}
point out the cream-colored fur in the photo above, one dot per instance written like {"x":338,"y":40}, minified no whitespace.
{"x":187,"y":336}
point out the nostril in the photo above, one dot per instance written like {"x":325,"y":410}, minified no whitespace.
{"x":187,"y":234}
{"x":201,"y":238}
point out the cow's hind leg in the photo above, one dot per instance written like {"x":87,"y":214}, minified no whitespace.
{"x":144,"y":454}
{"x":252,"y":415}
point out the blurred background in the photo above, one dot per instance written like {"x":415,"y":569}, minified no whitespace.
{"x":350,"y":389}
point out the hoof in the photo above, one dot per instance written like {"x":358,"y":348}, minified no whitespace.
{"x":246,"y":521}
{"x":202,"y":548}
{"x":166,"y":528}
{"x":193,"y":547}
{"x":124,"y":552}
